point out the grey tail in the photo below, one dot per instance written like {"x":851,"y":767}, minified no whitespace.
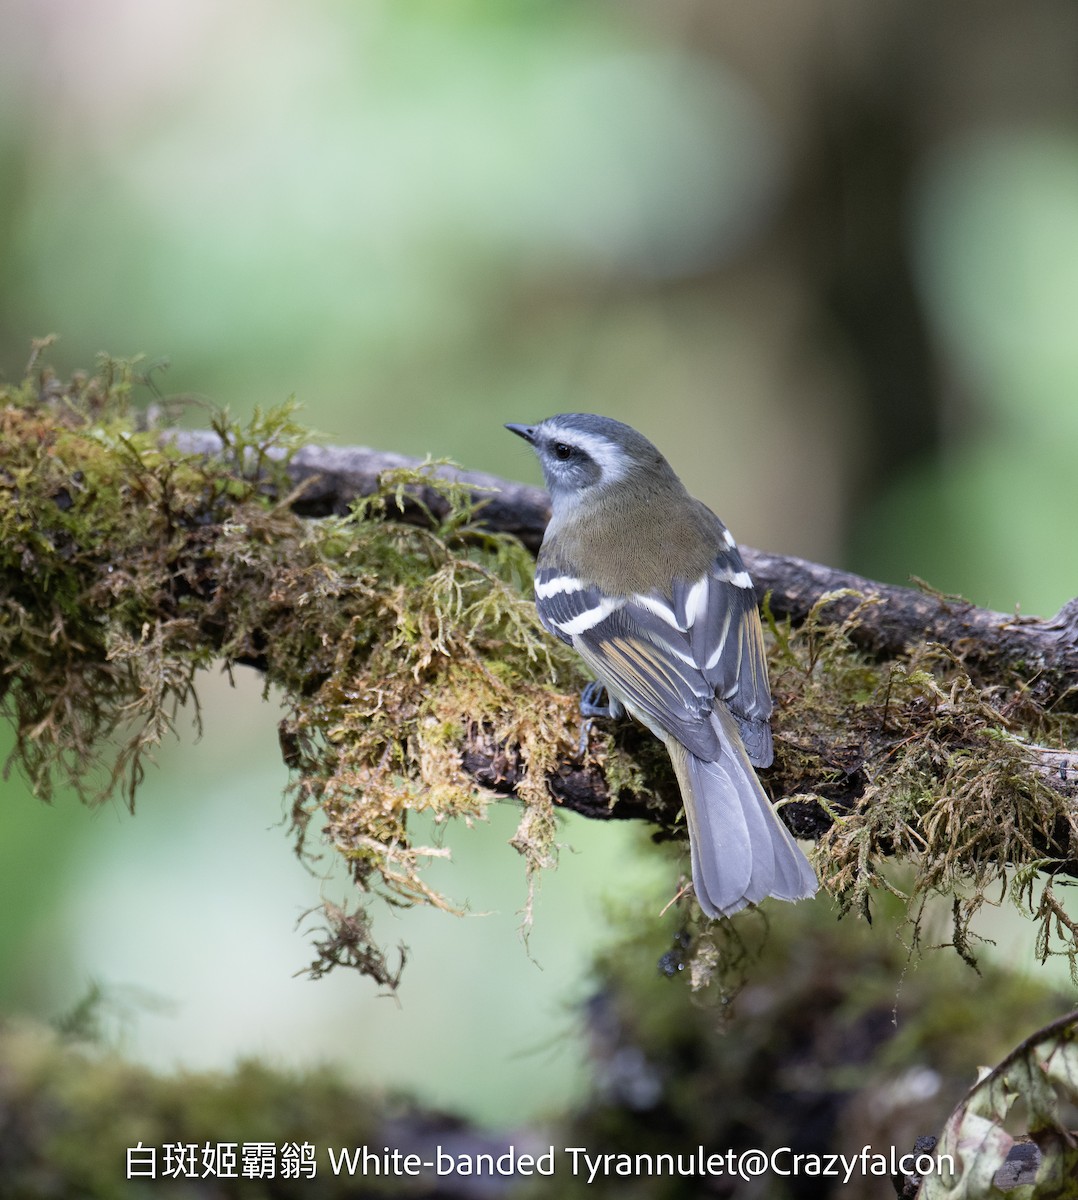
{"x":741,"y":850}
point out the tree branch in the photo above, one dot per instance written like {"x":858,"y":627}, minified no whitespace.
{"x":884,"y":620}
{"x":332,"y":477}
{"x":1043,"y":652}
{"x":944,"y":734}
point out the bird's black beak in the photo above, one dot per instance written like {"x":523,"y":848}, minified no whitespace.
{"x":527,"y":432}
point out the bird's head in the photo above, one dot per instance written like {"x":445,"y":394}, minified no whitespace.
{"x":582,"y":454}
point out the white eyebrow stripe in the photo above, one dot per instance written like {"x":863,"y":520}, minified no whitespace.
{"x":740,"y":579}
{"x":660,"y":609}
{"x":590,"y":617}
{"x":612,"y":461}
{"x":558,"y":585}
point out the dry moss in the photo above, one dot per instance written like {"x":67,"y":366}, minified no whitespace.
{"x":128,"y":567}
{"x":916,"y":762}
{"x":435,"y":636}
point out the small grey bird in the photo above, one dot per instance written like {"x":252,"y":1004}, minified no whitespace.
{"x":647,"y":585}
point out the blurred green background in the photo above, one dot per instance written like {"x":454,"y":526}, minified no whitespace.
{"x":825,"y":254}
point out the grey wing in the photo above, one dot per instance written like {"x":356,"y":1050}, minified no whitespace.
{"x":636,"y":654}
{"x":727,"y":640}
{"x":668,"y":659}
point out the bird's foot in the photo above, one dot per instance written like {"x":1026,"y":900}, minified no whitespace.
{"x":590,"y":706}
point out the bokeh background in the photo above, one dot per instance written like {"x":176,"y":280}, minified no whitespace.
{"x":824,"y":253}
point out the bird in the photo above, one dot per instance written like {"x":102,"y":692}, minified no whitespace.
{"x":648,"y":586}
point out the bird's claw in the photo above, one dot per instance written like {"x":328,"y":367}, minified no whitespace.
{"x":590,"y":706}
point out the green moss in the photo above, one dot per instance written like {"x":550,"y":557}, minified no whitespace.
{"x":918,"y":763}
{"x":839,"y":1039}
{"x":127,"y":567}
{"x":71,"y":1111}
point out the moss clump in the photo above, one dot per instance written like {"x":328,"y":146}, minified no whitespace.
{"x":126,"y":567}
{"x":70,"y":1112}
{"x":836,"y":1041}
{"x":430,"y":641}
{"x":104,"y":544}
{"x":916,"y":761}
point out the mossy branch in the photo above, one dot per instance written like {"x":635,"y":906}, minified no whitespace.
{"x":399,"y":631}
{"x":1044,"y":652}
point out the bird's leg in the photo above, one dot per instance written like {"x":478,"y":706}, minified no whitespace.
{"x":590,"y":706}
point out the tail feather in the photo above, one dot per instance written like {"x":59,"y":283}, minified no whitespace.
{"x":741,"y":851}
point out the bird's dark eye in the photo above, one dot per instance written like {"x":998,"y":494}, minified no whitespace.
{"x":562,"y":451}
